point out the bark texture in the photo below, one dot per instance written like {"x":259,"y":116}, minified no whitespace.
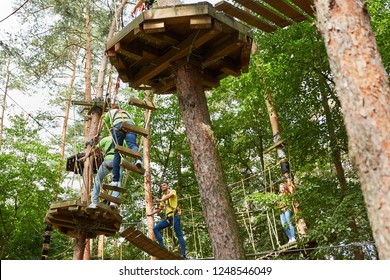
{"x":147,"y":177}
{"x":364,"y":94}
{"x":216,"y":201}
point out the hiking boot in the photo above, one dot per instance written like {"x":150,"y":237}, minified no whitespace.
{"x":113,"y":205}
{"x":92,"y":205}
{"x":138,"y":163}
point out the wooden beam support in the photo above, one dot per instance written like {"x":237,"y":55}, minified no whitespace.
{"x":193,"y":41}
{"x":306,"y":6}
{"x":287,"y":10}
{"x":125,"y":52}
{"x":154,"y":26}
{"x":244,"y":16}
{"x":264,"y":12}
{"x":224,"y":49}
{"x":200,"y":22}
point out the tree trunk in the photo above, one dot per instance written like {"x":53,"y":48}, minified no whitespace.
{"x":147,"y":181}
{"x":68,"y":103}
{"x":4,"y":103}
{"x":364,"y":94}
{"x":216,"y":201}
{"x":103,"y":64}
{"x":100,"y":253}
{"x":87,"y":173}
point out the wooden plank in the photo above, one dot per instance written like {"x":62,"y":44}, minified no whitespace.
{"x":65,"y":203}
{"x":244,"y":16}
{"x":73,"y":208}
{"x":113,"y":188}
{"x":114,"y":215}
{"x":86,"y":103}
{"x":147,"y":245}
{"x":132,"y":167}
{"x":194,"y":40}
{"x":222,"y":50}
{"x":123,"y":51}
{"x":128,"y":152}
{"x":127,"y":231}
{"x":164,"y":87}
{"x":286,"y":9}
{"x":280,"y":142}
{"x":264,"y":12}
{"x":110,"y":198}
{"x":142,"y":103}
{"x":125,"y":32}
{"x":135,"y":129}
{"x":305,"y":5}
{"x":199,"y":22}
{"x":154,"y":26}
{"x":178,"y":11}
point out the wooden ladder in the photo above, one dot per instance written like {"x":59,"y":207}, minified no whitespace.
{"x":127,"y":152}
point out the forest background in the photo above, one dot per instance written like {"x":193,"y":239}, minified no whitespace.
{"x":40,"y":58}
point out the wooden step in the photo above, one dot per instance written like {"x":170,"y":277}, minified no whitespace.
{"x":135,"y":129}
{"x":129,"y":166}
{"x":277,"y":144}
{"x":110,"y":198}
{"x":112,"y":188}
{"x":127,"y":151}
{"x":142,"y":103}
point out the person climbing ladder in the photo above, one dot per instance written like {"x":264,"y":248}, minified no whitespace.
{"x":116,"y":117}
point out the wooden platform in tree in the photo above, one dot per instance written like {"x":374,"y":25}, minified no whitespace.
{"x":147,"y":245}
{"x":268,"y":15}
{"x":72,"y":216}
{"x":151,"y":47}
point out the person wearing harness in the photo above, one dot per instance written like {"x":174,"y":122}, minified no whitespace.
{"x":169,"y":202}
{"x":106,"y":145}
{"x":285,"y":215}
{"x":116,"y":117}
{"x":141,"y":6}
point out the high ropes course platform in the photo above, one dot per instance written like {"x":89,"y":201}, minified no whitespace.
{"x":147,"y":52}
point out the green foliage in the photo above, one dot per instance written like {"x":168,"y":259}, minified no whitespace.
{"x":28,"y":182}
{"x":291,"y":68}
